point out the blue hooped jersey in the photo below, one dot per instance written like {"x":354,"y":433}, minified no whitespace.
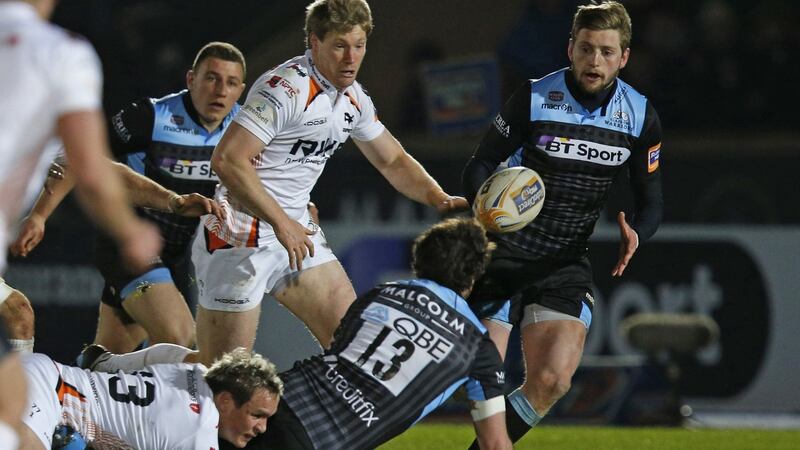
{"x":163,"y":140}
{"x":401,"y":350}
{"x":578,"y":152}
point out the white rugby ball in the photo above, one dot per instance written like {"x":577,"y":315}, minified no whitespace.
{"x":509,"y":199}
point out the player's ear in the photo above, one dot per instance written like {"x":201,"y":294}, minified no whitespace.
{"x":189,"y":78}
{"x":224,"y":401}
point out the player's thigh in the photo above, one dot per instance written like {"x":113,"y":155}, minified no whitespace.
{"x":499,"y":332}
{"x":160,"y":309}
{"x":320,"y":297}
{"x":554,"y":346}
{"x":117,"y":331}
{"x":222,"y":331}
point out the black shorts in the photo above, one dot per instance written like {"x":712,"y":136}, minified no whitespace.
{"x":118,"y":278}
{"x":562,"y":285}
{"x":284,"y":432}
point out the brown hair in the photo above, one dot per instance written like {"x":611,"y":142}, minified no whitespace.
{"x":339,"y":16}
{"x":604,"y":16}
{"x":223,"y":51}
{"x":453,"y":253}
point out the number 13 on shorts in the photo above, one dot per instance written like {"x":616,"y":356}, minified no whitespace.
{"x":394,"y":348}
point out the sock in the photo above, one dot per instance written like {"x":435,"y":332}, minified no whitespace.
{"x":21,"y":345}
{"x":520,"y":417}
{"x":157,"y":354}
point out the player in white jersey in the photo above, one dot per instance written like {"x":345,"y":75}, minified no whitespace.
{"x":295,"y":118}
{"x":52,"y":85}
{"x":163,"y":406}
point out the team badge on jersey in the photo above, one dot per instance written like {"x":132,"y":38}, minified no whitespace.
{"x":653,"y":154}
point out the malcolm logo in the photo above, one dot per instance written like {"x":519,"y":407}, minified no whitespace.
{"x":426,"y":305}
{"x":501,"y":377}
{"x":348,"y":118}
{"x":176,"y":119}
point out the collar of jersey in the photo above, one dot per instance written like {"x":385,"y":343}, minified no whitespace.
{"x":323,"y":82}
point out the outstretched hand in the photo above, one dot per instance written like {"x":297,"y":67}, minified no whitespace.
{"x":195,"y":205}
{"x":629,"y":242}
{"x":452,"y":204}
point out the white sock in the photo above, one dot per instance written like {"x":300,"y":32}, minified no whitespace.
{"x":21,"y":345}
{"x":157,"y":354}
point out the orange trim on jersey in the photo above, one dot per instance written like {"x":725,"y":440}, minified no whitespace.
{"x":252,"y":239}
{"x":653,"y":155}
{"x":214,"y":242}
{"x":63,"y":389}
{"x":353,"y":101}
{"x":313,"y":91}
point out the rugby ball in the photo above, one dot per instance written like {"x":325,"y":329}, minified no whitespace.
{"x":509,"y":199}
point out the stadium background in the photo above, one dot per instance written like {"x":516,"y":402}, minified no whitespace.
{"x":722,"y":75}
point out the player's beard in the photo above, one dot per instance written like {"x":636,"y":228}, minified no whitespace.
{"x":582,"y":87}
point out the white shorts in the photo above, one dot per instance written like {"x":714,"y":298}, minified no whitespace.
{"x":236,"y":279}
{"x":44,"y":409}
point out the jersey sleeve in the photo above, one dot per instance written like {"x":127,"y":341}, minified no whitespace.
{"x":77,"y":77}
{"x":369,"y":126}
{"x":132,"y":128}
{"x":645,"y":177}
{"x":487,"y":377}
{"x":503,"y":138}
{"x":272,"y":103}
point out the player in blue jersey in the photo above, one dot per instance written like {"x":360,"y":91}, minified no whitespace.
{"x":401,"y":350}
{"x":577,"y":127}
{"x":170,"y":141}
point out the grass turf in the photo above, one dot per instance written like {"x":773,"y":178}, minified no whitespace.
{"x":437,"y":436}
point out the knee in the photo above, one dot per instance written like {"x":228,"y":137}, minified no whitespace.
{"x":17,"y":314}
{"x":547,"y":385}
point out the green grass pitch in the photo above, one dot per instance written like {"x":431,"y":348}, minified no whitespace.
{"x":437,"y":436}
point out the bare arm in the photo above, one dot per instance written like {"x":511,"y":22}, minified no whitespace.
{"x":231,"y":161}
{"x":147,"y":193}
{"x":407,"y":175}
{"x":99,"y":189}
{"x":31,"y":231}
{"x":12,"y":391}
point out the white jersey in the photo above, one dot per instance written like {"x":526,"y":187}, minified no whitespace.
{"x":46,"y":72}
{"x":302,"y":120}
{"x":163,"y":406}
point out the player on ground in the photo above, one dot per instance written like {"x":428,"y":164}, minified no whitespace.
{"x":401,"y":350}
{"x":578,"y":127}
{"x":164,"y":406}
{"x":296,"y":117}
{"x":170,"y":141}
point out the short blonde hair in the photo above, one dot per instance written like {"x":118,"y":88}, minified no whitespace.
{"x":242,"y":373}
{"x":339,"y":16}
